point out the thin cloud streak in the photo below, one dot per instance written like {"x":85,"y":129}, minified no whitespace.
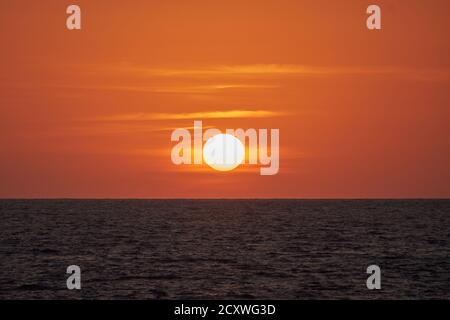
{"x":204,"y":89}
{"x":299,"y":70}
{"x":193,"y":115}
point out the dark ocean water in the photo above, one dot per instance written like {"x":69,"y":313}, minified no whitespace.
{"x":212,"y":249}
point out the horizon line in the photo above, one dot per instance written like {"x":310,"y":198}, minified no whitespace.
{"x":228,"y":199}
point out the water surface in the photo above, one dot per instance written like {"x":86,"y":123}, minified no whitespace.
{"x":234,"y":249}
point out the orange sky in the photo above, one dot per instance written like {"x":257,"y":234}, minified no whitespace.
{"x":362,"y":114}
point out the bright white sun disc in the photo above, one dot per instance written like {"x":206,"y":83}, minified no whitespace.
{"x":223,"y":152}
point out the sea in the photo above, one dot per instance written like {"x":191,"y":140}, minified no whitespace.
{"x":225,"y":249}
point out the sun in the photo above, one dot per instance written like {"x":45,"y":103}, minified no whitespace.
{"x":223,"y":152}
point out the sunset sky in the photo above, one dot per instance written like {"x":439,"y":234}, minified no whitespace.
{"x":89,"y":113}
